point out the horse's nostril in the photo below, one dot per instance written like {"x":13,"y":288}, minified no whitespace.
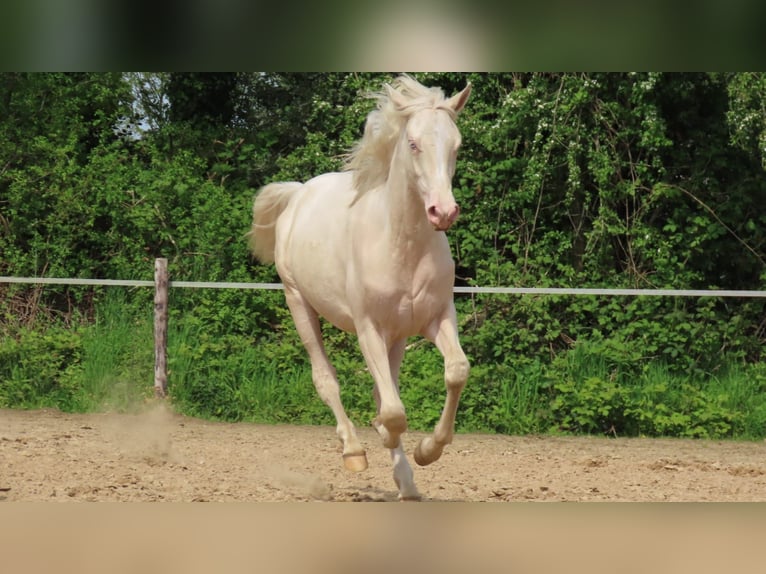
{"x":443,"y":218}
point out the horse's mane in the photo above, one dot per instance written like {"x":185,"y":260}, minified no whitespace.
{"x":370,"y":158}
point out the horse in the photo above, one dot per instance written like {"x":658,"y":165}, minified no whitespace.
{"x":366,"y":249}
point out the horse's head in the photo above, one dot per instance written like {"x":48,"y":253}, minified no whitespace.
{"x":432,"y":141}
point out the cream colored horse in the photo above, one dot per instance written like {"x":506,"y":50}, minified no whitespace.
{"x":366,"y":250}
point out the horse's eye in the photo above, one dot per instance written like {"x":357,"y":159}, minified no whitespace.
{"x":413,"y":145}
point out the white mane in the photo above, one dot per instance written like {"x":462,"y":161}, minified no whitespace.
{"x":370,"y":158}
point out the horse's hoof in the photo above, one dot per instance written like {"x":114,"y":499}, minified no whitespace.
{"x":408,"y":493}
{"x":355,"y":462}
{"x":427,"y":452}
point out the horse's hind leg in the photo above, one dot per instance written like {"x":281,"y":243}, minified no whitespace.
{"x":456,"y":367}
{"x":324,"y":377}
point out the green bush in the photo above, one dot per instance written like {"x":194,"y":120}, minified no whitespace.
{"x":564,"y":180}
{"x":39,"y":368}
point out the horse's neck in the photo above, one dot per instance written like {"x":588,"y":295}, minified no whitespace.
{"x":405,"y":209}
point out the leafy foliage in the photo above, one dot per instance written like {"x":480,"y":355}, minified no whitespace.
{"x":564,"y":179}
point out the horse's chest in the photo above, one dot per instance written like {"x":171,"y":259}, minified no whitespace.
{"x":416,"y":312}
{"x":404,"y":289}
{"x":406,"y":311}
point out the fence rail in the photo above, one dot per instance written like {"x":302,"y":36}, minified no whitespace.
{"x":137,"y":283}
{"x":478,"y":290}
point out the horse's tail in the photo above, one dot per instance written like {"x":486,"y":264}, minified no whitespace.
{"x":269,"y":204}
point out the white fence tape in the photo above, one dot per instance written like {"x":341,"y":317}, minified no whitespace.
{"x":478,"y":290}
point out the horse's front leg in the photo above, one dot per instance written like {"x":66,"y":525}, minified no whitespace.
{"x":403,"y":476}
{"x":444,"y":335}
{"x":391,"y":415}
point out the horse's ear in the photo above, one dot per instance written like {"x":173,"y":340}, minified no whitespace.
{"x":457,"y":102}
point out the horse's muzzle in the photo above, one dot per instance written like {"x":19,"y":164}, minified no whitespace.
{"x":442,"y":219}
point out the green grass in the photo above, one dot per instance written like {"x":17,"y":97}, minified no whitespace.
{"x":594,"y":392}
{"x":117,"y":367}
{"x":592,"y":389}
{"x":105,"y":365}
{"x":229,"y":378}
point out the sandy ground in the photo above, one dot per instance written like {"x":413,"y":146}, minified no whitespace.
{"x":160,"y":456}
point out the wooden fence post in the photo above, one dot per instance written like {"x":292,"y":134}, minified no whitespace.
{"x":160,"y":327}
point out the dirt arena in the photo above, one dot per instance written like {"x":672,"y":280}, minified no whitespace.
{"x":160,"y":456}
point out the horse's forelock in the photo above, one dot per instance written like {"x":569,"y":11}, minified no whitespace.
{"x":412,"y":96}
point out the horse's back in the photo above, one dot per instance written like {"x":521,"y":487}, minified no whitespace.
{"x":318,"y":211}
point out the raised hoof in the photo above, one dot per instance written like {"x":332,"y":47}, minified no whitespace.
{"x":355,"y":462}
{"x":427,"y":452}
{"x":417,"y":498}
